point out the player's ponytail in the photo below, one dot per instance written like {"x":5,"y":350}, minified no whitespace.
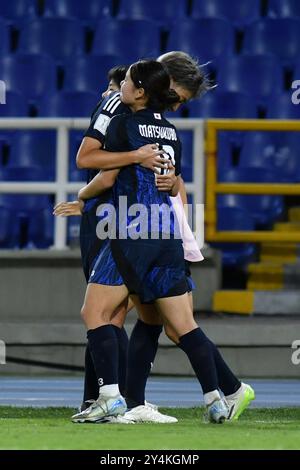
{"x":153,"y":77}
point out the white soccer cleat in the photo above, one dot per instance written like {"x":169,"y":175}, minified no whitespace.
{"x":239,"y":401}
{"x":116,"y":420}
{"x":217,"y":412}
{"x":151,"y":405}
{"x":146,"y":414}
{"x":100,"y":409}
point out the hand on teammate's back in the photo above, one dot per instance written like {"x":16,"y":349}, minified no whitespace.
{"x":149,"y":156}
{"x":166,"y":182}
{"x":67,"y":209}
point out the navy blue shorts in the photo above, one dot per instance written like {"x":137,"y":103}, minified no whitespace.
{"x":151,"y":269}
{"x":191,"y":284}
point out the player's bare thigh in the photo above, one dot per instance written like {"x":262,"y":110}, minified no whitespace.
{"x":100,"y":304}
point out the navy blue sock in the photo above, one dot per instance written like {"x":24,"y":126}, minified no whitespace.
{"x":104,"y":348}
{"x":228,"y":382}
{"x":142,"y":349}
{"x":91,"y":387}
{"x":197,"y":347}
{"x":123,"y":352}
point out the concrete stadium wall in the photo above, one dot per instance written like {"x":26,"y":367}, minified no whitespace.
{"x":40,"y":299}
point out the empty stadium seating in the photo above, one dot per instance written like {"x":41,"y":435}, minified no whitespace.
{"x":54,"y":66}
{"x":257,"y":76}
{"x":266,"y":37}
{"x":223,"y":105}
{"x":61,"y":38}
{"x":18,"y":10}
{"x":162,"y":12}
{"x":239,"y":13}
{"x":119,"y":37}
{"x":68,"y":103}
{"x":282,"y":107}
{"x":283,"y":8}
{"x":264,"y":209}
{"x":15,"y":106}
{"x":89,"y":73}
{"x":206,"y":38}
{"x":88,"y":11}
{"x":235,"y":218}
{"x":31,"y":75}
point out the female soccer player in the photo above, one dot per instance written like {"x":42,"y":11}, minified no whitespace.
{"x":153,"y":269}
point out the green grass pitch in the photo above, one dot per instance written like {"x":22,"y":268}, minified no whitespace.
{"x":51,"y":428}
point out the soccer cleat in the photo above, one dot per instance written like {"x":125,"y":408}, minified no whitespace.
{"x":239,"y":401}
{"x":217,"y":412}
{"x":147,"y":414}
{"x":100,"y":409}
{"x":151,"y":405}
{"x":85,"y":405}
{"x":116,"y":420}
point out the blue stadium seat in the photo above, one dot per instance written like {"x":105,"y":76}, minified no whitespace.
{"x":34,"y":149}
{"x":276,"y":151}
{"x":282,"y":107}
{"x":264,"y":209}
{"x":235,"y":218}
{"x":88,"y":11}
{"x":286,"y":158}
{"x":8,"y":228}
{"x":4,"y":37}
{"x":129,"y":39}
{"x":283,"y":8}
{"x":162,"y":12}
{"x":31,"y":75}
{"x":68,"y":104}
{"x":21,"y":173}
{"x":239,"y":13}
{"x":16,"y":105}
{"x":25,"y":202}
{"x":225,"y":149}
{"x":23,"y":209}
{"x":40,"y":229}
{"x":61,"y":38}
{"x":265,"y":37}
{"x":18,"y":10}
{"x":223,"y":105}
{"x":186,"y":138}
{"x":258,"y":76}
{"x":206,"y":39}
{"x":257,"y":151}
{"x":75,"y":174}
{"x":89,"y":73}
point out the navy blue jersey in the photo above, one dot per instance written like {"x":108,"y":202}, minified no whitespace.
{"x":129,"y":132}
{"x":105,"y":110}
{"x":90,"y":245}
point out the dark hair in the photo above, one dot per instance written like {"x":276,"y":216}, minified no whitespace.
{"x":186,"y":72}
{"x":153,"y":77}
{"x":117,"y":74}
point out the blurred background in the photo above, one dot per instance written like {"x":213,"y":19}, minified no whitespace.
{"x":54,"y":59}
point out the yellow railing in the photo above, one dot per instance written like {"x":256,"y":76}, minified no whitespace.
{"x":213,"y":187}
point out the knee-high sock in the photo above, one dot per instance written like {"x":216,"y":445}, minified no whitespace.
{"x":104,"y":348}
{"x":142,"y":349}
{"x":91,"y":387}
{"x":123,"y":353}
{"x":197,"y":347}
{"x":228,"y":382}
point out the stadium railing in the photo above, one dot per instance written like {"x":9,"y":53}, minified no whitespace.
{"x":61,"y":187}
{"x":213,"y":187}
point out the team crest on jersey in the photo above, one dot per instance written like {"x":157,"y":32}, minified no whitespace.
{"x":157,"y":116}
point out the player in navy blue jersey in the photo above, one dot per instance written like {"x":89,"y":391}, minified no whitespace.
{"x":153,"y":269}
{"x":188,"y":81}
